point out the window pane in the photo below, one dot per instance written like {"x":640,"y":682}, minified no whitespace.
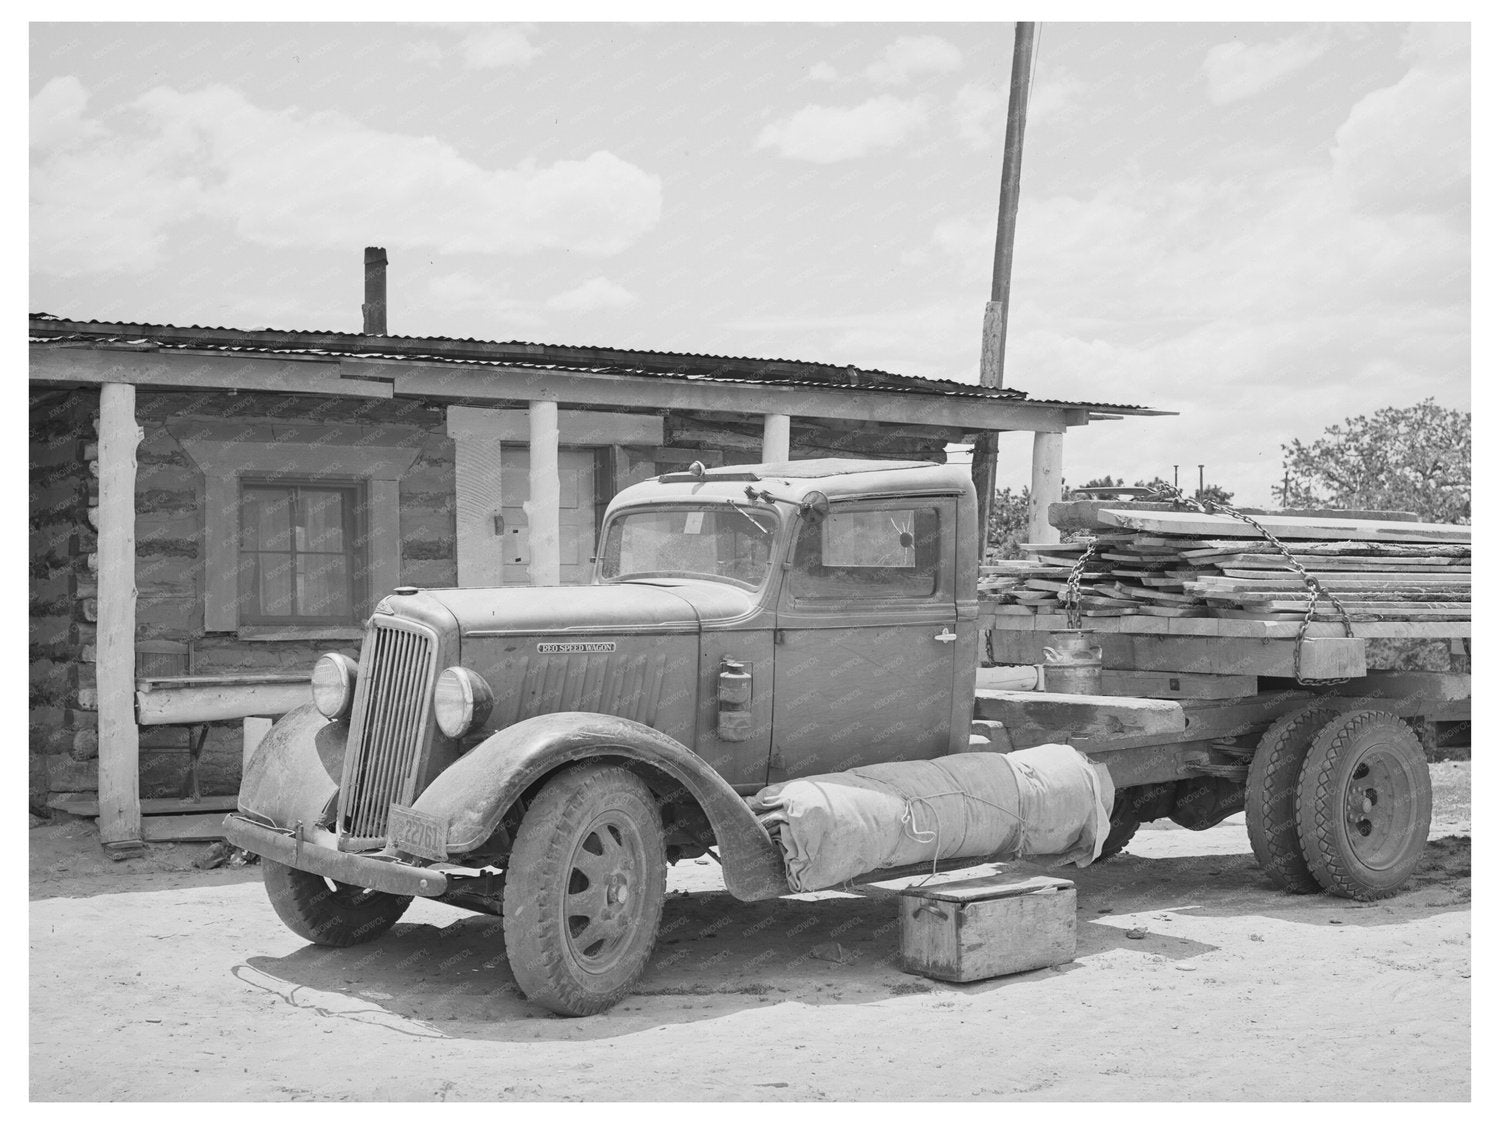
{"x":267,"y":520}
{"x":862,"y":553}
{"x":297,"y":557}
{"x":322,"y":529}
{"x":718,"y":542}
{"x":266,"y":585}
{"x":323,"y":585}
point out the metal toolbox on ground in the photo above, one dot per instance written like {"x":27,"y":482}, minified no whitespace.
{"x":980,"y":928}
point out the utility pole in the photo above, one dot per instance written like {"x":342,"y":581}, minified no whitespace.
{"x":1200,"y":481}
{"x":992,"y":348}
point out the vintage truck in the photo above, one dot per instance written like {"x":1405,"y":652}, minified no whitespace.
{"x":543,"y":753}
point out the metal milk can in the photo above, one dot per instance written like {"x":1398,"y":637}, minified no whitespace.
{"x":1072,"y":667}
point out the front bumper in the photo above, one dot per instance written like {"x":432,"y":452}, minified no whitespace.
{"x":387,"y":875}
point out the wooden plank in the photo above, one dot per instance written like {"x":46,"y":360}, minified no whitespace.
{"x":119,"y":740}
{"x":480,"y":384}
{"x":1165,"y":685}
{"x":200,"y":371}
{"x":1331,"y":657}
{"x":1335,"y":579}
{"x":1252,"y":629}
{"x":183,"y":829}
{"x":1435,"y":685}
{"x":77,"y":804}
{"x":1382,"y":550}
{"x":1284,"y":527}
{"x":1322,"y":564}
{"x":1082,"y":715}
{"x":229,"y":679}
{"x":187,"y":705}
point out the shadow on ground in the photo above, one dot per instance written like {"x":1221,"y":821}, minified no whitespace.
{"x":1235,"y":886}
{"x":716,"y":955}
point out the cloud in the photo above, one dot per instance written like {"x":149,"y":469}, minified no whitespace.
{"x":822,"y":72}
{"x":498,"y":46}
{"x":1264,"y":302}
{"x":979,"y":114}
{"x":979,"y":110}
{"x":423,"y":52}
{"x":593,"y":295}
{"x":286,"y":178}
{"x":914,"y":55}
{"x":1406,"y":147}
{"x":463,"y":296}
{"x":1237,"y":70}
{"x":826,"y":134}
{"x":57,"y":119}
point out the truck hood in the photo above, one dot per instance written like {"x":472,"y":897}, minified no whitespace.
{"x":657,"y":605}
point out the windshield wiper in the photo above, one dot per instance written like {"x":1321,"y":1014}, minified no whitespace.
{"x":747,"y":515}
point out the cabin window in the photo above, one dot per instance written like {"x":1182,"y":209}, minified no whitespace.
{"x":868,"y":552}
{"x":340,"y":484}
{"x":302,"y":552}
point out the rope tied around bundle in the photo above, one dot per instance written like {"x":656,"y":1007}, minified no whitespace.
{"x":935,"y":835}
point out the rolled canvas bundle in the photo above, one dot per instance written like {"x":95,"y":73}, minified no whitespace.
{"x":1047,"y":801}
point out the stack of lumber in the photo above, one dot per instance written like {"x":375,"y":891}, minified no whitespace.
{"x":1037,"y":586}
{"x":1179,"y":563}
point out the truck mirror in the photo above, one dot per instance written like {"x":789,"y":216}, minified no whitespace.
{"x":815,"y":505}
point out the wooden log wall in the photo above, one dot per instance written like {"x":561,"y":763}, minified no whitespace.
{"x":62,"y":721}
{"x":170,"y":574}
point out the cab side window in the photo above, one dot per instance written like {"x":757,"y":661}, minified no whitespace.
{"x":861,"y":551}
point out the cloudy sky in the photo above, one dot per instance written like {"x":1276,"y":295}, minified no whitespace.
{"x":1265,"y":227}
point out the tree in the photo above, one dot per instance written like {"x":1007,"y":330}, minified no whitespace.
{"x":1008,"y":524}
{"x":1412,"y":459}
{"x":1213,"y":492}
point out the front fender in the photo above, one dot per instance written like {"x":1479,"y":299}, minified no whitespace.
{"x":474,"y":793}
{"x":296,"y":769}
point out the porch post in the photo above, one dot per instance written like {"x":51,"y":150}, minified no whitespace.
{"x":119,"y":740}
{"x":776,"y":442}
{"x":1046,"y":485}
{"x":543,"y":517}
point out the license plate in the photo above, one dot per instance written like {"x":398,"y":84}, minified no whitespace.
{"x":418,"y":834}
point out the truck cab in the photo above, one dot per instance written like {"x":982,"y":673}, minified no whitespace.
{"x":542,"y":752}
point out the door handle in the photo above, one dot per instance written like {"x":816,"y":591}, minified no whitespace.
{"x":946,"y":637}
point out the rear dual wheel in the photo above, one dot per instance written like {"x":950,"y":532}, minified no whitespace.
{"x":1339,"y":802}
{"x":1364,"y":804}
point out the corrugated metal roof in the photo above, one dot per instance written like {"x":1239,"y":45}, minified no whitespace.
{"x":48,"y":329}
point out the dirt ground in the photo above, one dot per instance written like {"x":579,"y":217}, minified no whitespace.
{"x":154,"y":981}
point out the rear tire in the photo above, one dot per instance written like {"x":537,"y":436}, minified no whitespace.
{"x":326,"y":912}
{"x":584,"y":890}
{"x":1122,"y":828}
{"x":1271,"y":798}
{"x":1364,"y":805}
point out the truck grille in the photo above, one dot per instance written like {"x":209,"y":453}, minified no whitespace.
{"x":389,"y":728}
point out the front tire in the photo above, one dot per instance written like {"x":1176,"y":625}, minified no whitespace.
{"x":584,"y":889}
{"x":326,"y":912}
{"x":1364,"y":805}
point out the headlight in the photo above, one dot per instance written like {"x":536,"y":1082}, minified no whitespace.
{"x":461,"y":701}
{"x":333,"y":684}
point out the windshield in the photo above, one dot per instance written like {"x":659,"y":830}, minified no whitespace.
{"x":728,"y":542}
